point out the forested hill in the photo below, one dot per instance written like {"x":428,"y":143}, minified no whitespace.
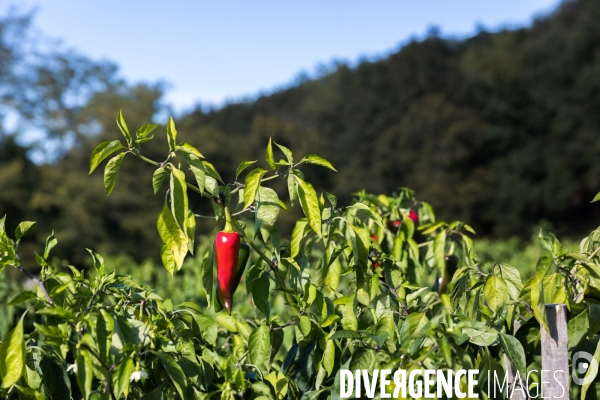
{"x":501,"y":130}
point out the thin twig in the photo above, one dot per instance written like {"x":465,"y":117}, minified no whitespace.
{"x":276,"y":328}
{"x":33,"y":278}
{"x":204,"y":216}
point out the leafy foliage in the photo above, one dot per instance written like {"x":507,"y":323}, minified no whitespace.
{"x":350,"y":289}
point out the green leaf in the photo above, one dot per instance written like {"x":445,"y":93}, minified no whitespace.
{"x":317,"y":160}
{"x":411,"y":326}
{"x":367,"y":211}
{"x":269,"y":157}
{"x":304,"y":325}
{"x":267,"y":211}
{"x":373,"y":286}
{"x":512,"y":278}
{"x":55,"y":378}
{"x":122,"y":378}
{"x":56,"y":311}
{"x":590,"y":373}
{"x":12,"y":355}
{"x":110,"y":172}
{"x":145,"y":130}
{"x":252,"y":184}
{"x":207,"y":272}
{"x":329,"y":357}
{"x":577,"y":328}
{"x":514,"y":350}
{"x":495,"y":292}
{"x":50,"y":243}
{"x":123,"y":126}
{"x":259,"y":345}
{"x":157,"y":178}
{"x":298,"y":234}
{"x":211,"y":171}
{"x":361,"y":240}
{"x":168,"y":259}
{"x":227,"y":322}
{"x":21,"y":297}
{"x":537,"y":292}
{"x":105,"y":326}
{"x":287,"y":152}
{"x":85,"y":373}
{"x":349,"y":321}
{"x":439,"y":250}
{"x":174,"y":238}
{"x":24,"y":228}
{"x":190,"y":230}
{"x":259,"y":288}
{"x":310,"y":205}
{"x":123,"y":332}
{"x":242,"y":167}
{"x":155,"y":394}
{"x":172,"y":134}
{"x":102,"y":151}
{"x":293,"y":185}
{"x":179,"y":199}
{"x":29,"y":394}
{"x":330,"y":319}
{"x":279,"y":383}
{"x":596,"y":198}
{"x":175,"y":373}
{"x":186,"y":148}
{"x":208,"y":327}
{"x":199,"y":173}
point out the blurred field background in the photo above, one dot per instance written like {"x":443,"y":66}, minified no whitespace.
{"x":500,"y":129}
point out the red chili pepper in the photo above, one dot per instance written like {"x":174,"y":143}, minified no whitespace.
{"x":413,"y":215}
{"x":395,"y":224}
{"x":227,"y":247}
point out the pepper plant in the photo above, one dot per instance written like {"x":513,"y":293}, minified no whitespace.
{"x":379,"y":283}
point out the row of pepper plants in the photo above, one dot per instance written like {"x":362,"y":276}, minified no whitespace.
{"x":375,"y":284}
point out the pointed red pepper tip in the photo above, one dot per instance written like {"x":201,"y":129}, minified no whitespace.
{"x":227,"y":304}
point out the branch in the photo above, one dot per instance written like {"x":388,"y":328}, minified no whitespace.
{"x":270,"y":263}
{"x":276,"y":328}
{"x":33,"y":278}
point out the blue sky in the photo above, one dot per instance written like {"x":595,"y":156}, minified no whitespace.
{"x":213,"y":51}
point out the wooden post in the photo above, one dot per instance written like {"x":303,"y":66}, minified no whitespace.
{"x":555,"y":356}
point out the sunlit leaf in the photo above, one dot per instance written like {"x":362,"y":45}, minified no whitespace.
{"x":12,"y":356}
{"x":317,"y":160}
{"x":102,"y":151}
{"x":123,"y":126}
{"x":110,"y":172}
{"x":310,"y":204}
{"x":269,"y":157}
{"x":252,"y":184}
{"x":243,"y":165}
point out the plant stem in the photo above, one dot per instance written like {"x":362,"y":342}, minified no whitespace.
{"x":33,"y":278}
{"x":149,"y":161}
{"x":269,"y":178}
{"x":262,"y":255}
{"x":228,"y":226}
{"x":240,"y":212}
